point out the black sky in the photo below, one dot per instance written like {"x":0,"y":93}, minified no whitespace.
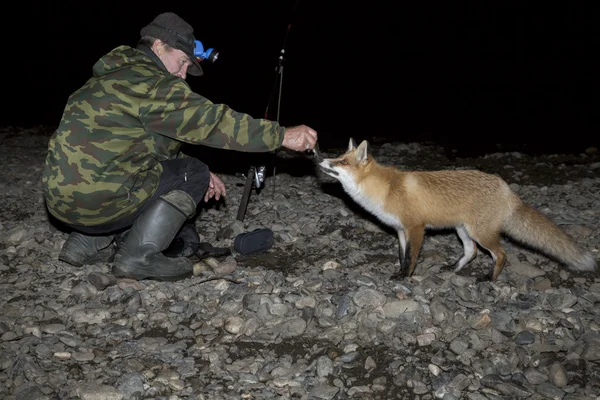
{"x":457,"y":73}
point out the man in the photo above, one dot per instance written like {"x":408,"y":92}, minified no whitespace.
{"x":114,"y":170}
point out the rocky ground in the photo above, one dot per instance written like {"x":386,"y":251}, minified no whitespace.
{"x":317,"y":316}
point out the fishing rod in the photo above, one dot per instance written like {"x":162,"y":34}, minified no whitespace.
{"x":256,"y":176}
{"x":278,"y":81}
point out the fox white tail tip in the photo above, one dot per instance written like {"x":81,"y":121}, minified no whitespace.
{"x":586,"y":263}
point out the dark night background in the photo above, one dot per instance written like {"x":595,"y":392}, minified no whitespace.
{"x":470,"y":76}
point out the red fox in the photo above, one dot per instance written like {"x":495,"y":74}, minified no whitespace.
{"x":479,"y":206}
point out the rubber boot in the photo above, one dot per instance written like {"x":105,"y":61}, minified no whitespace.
{"x":186,"y":242}
{"x":140,"y":253}
{"x":80,"y":249}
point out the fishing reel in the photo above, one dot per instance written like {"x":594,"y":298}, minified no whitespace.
{"x":210,"y":54}
{"x":254,"y":178}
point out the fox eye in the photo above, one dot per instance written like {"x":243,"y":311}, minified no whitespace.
{"x":343,"y":162}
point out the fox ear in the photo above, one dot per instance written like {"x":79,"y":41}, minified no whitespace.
{"x":351,"y":144}
{"x":362,"y":152}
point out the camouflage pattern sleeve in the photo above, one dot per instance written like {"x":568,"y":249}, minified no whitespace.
{"x":172,"y":109}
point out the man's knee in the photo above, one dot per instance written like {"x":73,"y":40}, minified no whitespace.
{"x":197,"y":178}
{"x":197,"y":170}
{"x":188,"y":174}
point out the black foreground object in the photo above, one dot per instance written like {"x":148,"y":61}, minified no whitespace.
{"x":257,"y":241}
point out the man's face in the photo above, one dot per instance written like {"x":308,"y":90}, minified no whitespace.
{"x":176,"y":61}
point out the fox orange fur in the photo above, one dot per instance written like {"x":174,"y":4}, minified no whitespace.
{"x":479,"y":206}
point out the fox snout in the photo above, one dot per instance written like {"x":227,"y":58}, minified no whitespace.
{"x":327,"y":168}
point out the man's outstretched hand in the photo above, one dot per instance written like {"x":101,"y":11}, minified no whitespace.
{"x":300,"y":138}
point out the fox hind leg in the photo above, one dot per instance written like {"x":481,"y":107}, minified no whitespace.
{"x":402,"y":247}
{"x":491,"y":242}
{"x":469,"y":249}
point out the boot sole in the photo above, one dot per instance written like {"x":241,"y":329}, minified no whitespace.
{"x":120,"y":273}
{"x":105,"y":255}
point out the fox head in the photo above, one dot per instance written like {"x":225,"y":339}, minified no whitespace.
{"x":347,"y":167}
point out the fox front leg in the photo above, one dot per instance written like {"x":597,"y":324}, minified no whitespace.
{"x":410,"y":245}
{"x":401,"y":255}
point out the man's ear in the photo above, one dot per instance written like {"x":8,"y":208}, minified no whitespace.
{"x":158,"y":47}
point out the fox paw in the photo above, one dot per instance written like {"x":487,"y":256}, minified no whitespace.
{"x":483,"y":278}
{"x":399,"y":276}
{"x":448,"y":268}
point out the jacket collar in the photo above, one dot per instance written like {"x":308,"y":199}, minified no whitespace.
{"x":148,"y":51}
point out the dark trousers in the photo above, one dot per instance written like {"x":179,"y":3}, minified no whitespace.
{"x":186,"y":174}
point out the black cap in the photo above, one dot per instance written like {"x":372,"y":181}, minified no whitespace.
{"x":174,"y":31}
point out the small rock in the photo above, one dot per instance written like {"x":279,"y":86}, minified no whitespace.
{"x":535,"y":377}
{"x":62,"y":355}
{"x":324,"y":392}
{"x":370,"y":364}
{"x":126,"y":283}
{"x":591,"y":351}
{"x":394,"y":308}
{"x":324,"y":366}
{"x":527,"y":270}
{"x":458,"y":346}
{"x":101,"y":280}
{"x":233,"y":324}
{"x":480,"y":321}
{"x":558,"y":375}
{"x":331,"y":265}
{"x":53,"y":328}
{"x":366,"y":297}
{"x":549,"y":391}
{"x":434,"y":369}
{"x":15,"y":236}
{"x":426,"y":339}
{"x":524,"y":338}
{"x":542,"y":284}
{"x":228,"y":266}
{"x":92,"y":391}
{"x":32,"y":393}
{"x":293,"y":327}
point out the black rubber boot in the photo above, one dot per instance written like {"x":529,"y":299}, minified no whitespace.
{"x":80,"y":249}
{"x":186,"y":242}
{"x":140,"y":252}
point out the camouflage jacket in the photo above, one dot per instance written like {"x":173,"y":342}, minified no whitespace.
{"x":103,"y":159}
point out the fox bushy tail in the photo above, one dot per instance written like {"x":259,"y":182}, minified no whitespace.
{"x":529,"y":226}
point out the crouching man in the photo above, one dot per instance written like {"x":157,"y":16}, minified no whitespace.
{"x":114,"y":172}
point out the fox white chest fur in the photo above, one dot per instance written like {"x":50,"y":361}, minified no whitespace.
{"x":374,"y":206}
